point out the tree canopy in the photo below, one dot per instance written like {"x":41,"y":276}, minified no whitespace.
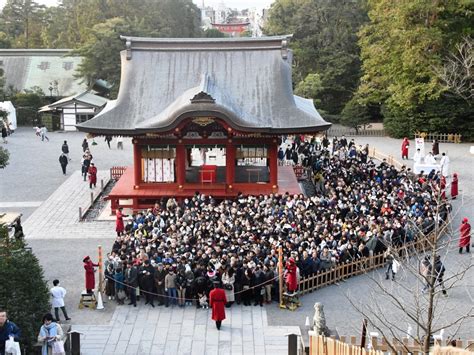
{"x":324,"y":43}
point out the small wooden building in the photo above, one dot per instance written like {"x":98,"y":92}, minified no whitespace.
{"x":205,"y":114}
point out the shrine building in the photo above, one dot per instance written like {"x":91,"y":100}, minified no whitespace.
{"x":204,"y":114}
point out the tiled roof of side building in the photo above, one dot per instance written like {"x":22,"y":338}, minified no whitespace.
{"x":29,"y":68}
{"x":244,"y":81}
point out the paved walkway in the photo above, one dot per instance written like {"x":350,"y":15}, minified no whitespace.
{"x":160,"y":330}
{"x":58,"y":216}
{"x":34,"y":175}
{"x":142,"y":330}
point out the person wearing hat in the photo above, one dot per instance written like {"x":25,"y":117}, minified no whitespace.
{"x":217,"y":300}
{"x":465,"y":238}
{"x":90,"y":277}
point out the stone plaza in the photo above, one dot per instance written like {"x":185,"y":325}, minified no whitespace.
{"x":34,"y":185}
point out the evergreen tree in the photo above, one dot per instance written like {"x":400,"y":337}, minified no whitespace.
{"x":324,"y":43}
{"x":23,"y":292}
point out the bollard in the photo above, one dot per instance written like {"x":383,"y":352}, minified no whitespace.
{"x":80,"y":213}
{"x":92,"y":198}
{"x":75,"y":343}
{"x":292,"y":344}
{"x":102,"y":184}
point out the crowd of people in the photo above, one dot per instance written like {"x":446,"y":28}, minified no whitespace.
{"x":174,"y":252}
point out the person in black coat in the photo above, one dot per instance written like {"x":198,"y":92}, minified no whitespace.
{"x":65,"y":149}
{"x":148,"y":275}
{"x":63,"y":160}
{"x":131,"y":278}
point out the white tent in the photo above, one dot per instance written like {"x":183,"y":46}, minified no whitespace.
{"x":8,"y":106}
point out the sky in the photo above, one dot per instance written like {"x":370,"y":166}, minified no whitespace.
{"x":239,"y":4}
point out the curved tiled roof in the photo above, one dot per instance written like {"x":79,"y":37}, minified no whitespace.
{"x":245,"y":81}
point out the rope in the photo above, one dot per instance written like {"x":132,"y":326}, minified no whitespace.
{"x":187,"y":299}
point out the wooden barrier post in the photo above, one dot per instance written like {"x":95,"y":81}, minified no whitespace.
{"x":92,"y":198}
{"x":364,"y":334}
{"x":80,"y":214}
{"x":101,"y":273}
{"x":102,"y":184}
{"x":280,"y":273}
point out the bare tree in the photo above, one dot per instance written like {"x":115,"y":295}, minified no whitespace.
{"x":417,"y":298}
{"x":457,"y":72}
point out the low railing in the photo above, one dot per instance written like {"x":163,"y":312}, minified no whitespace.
{"x":440,"y":137}
{"x":388,"y":158}
{"x":116,"y":172}
{"x":338,"y":132}
{"x":319,"y":344}
{"x":360,"y":266}
{"x":301,"y":172}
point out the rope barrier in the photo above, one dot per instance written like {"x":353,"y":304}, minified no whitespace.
{"x":187,"y":299}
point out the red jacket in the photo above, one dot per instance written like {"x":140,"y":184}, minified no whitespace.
{"x":217,"y":301}
{"x":92,"y":174}
{"x":119,"y":227}
{"x":90,"y":278}
{"x":291,"y":281}
{"x":465,"y":234}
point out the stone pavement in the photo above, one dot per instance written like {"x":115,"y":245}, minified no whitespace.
{"x":34,"y":175}
{"x":174,"y":330}
{"x":52,"y":228}
{"x":58,"y":216}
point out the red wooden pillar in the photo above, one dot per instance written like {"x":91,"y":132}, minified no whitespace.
{"x":137,"y":163}
{"x":180,"y":164}
{"x":273,"y":163}
{"x":230,"y":164}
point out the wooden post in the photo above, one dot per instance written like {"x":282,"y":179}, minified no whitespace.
{"x":92,"y":198}
{"x":102,"y":184}
{"x":101,"y":273}
{"x":272,"y":154}
{"x":180,"y":164}
{"x":230,"y":163}
{"x":137,"y":163}
{"x":292,"y":344}
{"x":280,"y":273}
{"x":80,"y":214}
{"x":364,"y":334}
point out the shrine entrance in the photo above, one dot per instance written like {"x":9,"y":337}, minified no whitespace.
{"x":206,"y":164}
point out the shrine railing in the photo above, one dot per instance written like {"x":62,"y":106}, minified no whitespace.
{"x":340,"y":272}
{"x":116,"y":172}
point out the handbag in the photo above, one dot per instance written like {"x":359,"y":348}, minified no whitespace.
{"x":228,"y":287}
{"x":12,"y":347}
{"x":58,"y":348}
{"x":395,"y":266}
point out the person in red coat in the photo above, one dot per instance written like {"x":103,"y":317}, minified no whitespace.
{"x":218,"y":300}
{"x":92,"y":175}
{"x":291,"y":282}
{"x":442,"y":187}
{"x":405,"y":145}
{"x":119,"y":226}
{"x":465,"y":238}
{"x":454,"y":186}
{"x":90,"y":277}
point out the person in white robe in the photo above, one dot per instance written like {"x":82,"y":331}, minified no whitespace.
{"x":418,"y":157}
{"x":430,"y":159}
{"x":444,"y":165}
